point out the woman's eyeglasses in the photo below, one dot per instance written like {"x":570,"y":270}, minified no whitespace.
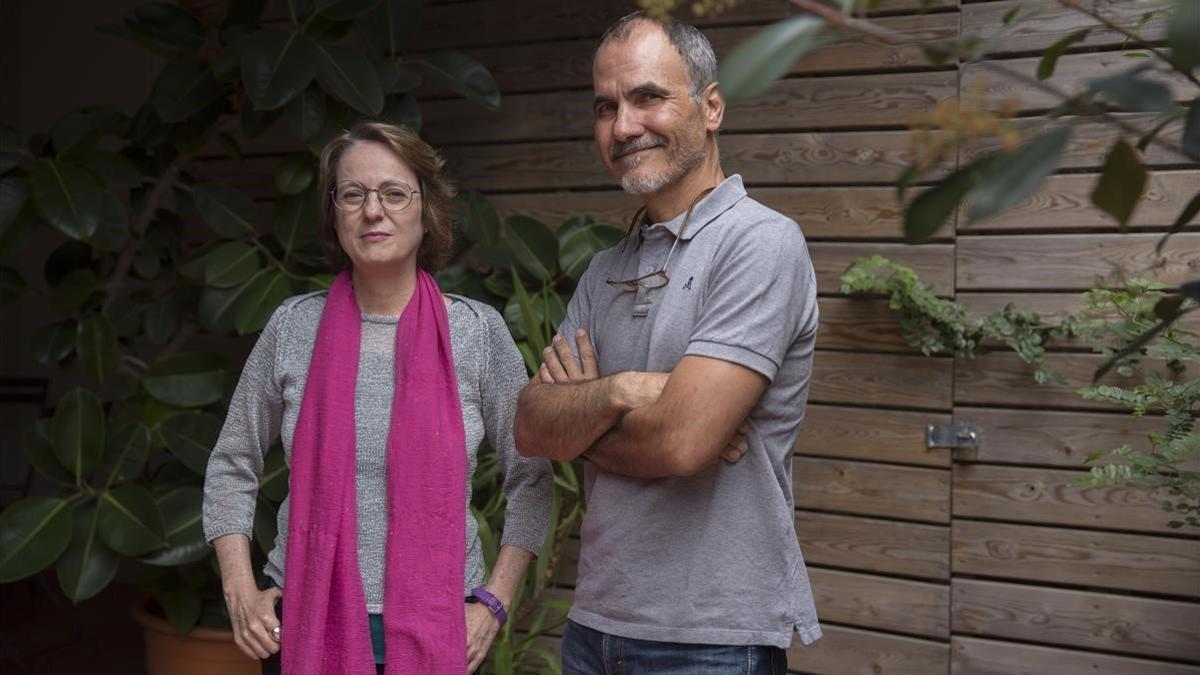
{"x":393,"y":195}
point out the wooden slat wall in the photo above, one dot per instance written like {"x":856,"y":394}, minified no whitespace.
{"x":923,"y":561}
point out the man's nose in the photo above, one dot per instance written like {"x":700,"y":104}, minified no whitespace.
{"x":627,"y":124}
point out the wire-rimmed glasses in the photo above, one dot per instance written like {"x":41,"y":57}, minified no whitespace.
{"x":394,"y":195}
{"x":658,"y":278}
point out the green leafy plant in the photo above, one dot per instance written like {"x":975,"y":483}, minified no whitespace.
{"x":154,"y":271}
{"x":1111,"y":320}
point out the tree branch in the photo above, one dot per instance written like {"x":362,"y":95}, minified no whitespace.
{"x":1133,"y":37}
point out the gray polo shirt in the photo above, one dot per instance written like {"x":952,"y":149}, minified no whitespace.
{"x":711,"y":558}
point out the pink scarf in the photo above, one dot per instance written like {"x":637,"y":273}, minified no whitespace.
{"x":325,"y":626}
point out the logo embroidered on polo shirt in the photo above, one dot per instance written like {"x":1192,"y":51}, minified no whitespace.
{"x":688,"y":285}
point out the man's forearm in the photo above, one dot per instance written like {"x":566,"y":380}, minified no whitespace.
{"x":560,"y":421}
{"x":638,"y":447}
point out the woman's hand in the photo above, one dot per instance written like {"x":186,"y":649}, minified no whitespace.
{"x":252,"y":613}
{"x":482,"y":627}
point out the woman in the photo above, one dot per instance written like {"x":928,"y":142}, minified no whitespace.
{"x":382,"y":389}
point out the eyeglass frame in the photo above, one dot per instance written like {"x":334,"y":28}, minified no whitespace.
{"x":367,"y":196}
{"x":637,"y":282}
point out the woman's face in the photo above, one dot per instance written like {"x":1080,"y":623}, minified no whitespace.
{"x":375,"y":236}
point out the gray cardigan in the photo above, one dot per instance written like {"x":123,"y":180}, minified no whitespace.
{"x":266,"y":404}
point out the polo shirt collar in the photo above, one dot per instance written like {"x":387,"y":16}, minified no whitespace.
{"x":720,"y":200}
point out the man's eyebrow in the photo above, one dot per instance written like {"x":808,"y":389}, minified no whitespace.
{"x":648,"y":88}
{"x":601,"y":99}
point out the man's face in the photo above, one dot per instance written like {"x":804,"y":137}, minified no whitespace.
{"x":649,"y":130}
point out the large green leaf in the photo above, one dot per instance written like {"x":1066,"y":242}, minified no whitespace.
{"x":1014,"y":177}
{"x":12,"y":285}
{"x":39,"y":449}
{"x":1050,"y":57}
{"x":305,"y":114}
{"x":926,"y":214}
{"x":54,"y":342}
{"x":128,"y":445}
{"x":756,"y":63}
{"x":74,"y":290}
{"x":1191,"y":131}
{"x":191,"y":437}
{"x":14,"y":192}
{"x":1130,"y":92}
{"x":525,"y":313}
{"x":1183,"y":34}
{"x":67,"y":196}
{"x":183,"y":89}
{"x":130,"y":522}
{"x":344,"y":72}
{"x":533,"y":245}
{"x":482,"y":222}
{"x":1121,"y":183}
{"x":96,"y":344}
{"x":162,"y":319}
{"x":403,"y":109}
{"x":579,"y":239}
{"x":182,"y":604}
{"x":217,"y":306}
{"x":166,"y":26}
{"x":397,"y":78}
{"x":112,"y":233}
{"x":34,"y":532}
{"x":227,"y":211}
{"x":187,"y":380}
{"x":295,"y":173}
{"x":463,"y":75}
{"x":276,"y":66}
{"x":389,"y":26}
{"x":344,"y":10}
{"x":88,"y":565}
{"x":182,"y":515}
{"x":78,"y":431}
{"x":260,"y":300}
{"x":295,"y":221}
{"x":231,"y":264}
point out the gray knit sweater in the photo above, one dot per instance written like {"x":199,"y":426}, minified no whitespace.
{"x":266,"y":404}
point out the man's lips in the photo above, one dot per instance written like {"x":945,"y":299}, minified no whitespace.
{"x":630,"y":153}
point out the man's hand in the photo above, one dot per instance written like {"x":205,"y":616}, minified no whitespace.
{"x":482,"y":627}
{"x":560,"y":366}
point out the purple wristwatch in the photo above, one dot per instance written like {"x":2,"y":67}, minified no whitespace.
{"x":492,"y":603}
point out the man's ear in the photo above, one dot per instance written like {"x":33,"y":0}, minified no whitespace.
{"x":712,"y":104}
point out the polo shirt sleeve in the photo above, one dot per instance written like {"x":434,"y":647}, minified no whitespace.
{"x":760,"y":296}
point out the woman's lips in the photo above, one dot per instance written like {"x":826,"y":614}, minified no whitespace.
{"x":375,"y":236}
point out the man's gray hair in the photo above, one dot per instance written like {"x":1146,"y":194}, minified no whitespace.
{"x":693,"y":47}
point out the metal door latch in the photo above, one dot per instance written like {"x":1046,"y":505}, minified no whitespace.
{"x":951,"y":436}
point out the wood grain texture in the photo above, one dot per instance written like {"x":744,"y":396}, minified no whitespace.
{"x":1064,"y":204}
{"x":872,"y":601}
{"x":1071,"y":75}
{"x":1001,"y":378}
{"x":808,"y":103}
{"x":977,"y":656}
{"x":870,"y":434}
{"x":852,"y":651}
{"x":871,"y":489}
{"x":1090,"y":141}
{"x":874,"y":545}
{"x":1046,"y":496}
{"x":1091,"y":620}
{"x":1167,"y":566}
{"x":1048,"y":21}
{"x":933,"y":262}
{"x":1048,"y":437}
{"x":1072,"y":261}
{"x":860,"y":324}
{"x":893,"y":380}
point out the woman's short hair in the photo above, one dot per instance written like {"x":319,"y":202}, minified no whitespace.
{"x":437,"y":192}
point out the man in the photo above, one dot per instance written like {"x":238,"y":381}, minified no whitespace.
{"x":699,"y":324}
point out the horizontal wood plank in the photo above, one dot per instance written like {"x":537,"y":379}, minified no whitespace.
{"x":852,"y":651}
{"x":872,"y":601}
{"x":874,"y":545}
{"x":1048,"y":21}
{"x":1086,"y":619}
{"x":861,"y":324}
{"x":934,"y":263}
{"x":1049,"y":437}
{"x":1163,"y":565}
{"x":978,"y":656}
{"x":870,"y":434}
{"x":872,"y":489}
{"x":893,"y":380}
{"x":1046,"y":496}
{"x":1090,"y":142}
{"x":1072,"y":261}
{"x":1063,"y":203}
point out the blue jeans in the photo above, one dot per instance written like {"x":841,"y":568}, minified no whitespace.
{"x":590,"y":652}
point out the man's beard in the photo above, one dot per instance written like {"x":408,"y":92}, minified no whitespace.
{"x":681,"y":157}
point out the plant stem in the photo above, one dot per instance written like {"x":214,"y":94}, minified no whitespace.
{"x":1133,"y":37}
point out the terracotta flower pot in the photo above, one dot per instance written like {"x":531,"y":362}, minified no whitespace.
{"x":203,"y":651}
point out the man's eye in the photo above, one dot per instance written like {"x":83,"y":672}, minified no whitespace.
{"x":605,"y":108}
